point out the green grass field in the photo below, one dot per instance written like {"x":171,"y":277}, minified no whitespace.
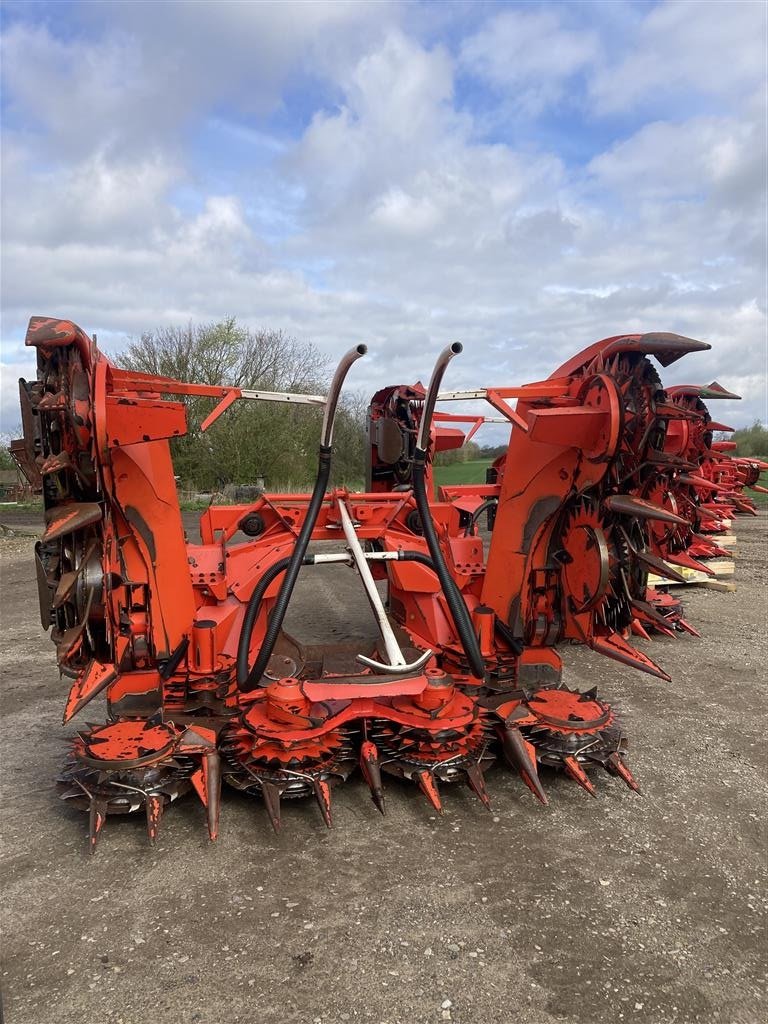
{"x":761,"y":500}
{"x":462,"y":473}
{"x":474,"y":473}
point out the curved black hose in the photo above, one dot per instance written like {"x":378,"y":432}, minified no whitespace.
{"x":244,"y":682}
{"x":249,"y":621}
{"x":459,"y":611}
{"x":275,"y":623}
{"x":470,"y":528}
{"x":417,"y":556}
{"x":517,"y":646}
{"x":295,"y":561}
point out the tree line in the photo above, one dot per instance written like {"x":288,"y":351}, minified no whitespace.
{"x":267,"y":441}
{"x":251,"y":441}
{"x":469,"y":452}
{"x":750,"y":441}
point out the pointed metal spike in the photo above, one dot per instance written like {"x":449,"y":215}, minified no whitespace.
{"x":650,"y":613}
{"x":694,"y":480}
{"x":66,"y":519}
{"x":659,"y":566}
{"x":323,"y":795}
{"x":70,"y":793}
{"x":684,"y":624}
{"x":588,"y":694}
{"x":577,"y":773}
{"x":667,"y":410}
{"x":669,"y":461}
{"x":684,"y":559}
{"x":428,"y":784}
{"x":476,"y":782}
{"x":198,"y":780}
{"x":522,"y":755}
{"x":212,"y":777}
{"x":377,"y":795}
{"x":710,"y":543}
{"x":97,"y":817}
{"x":271,"y":794}
{"x":616,"y":647}
{"x":711,"y":550}
{"x":371,"y":769}
{"x":742,"y":506}
{"x":616,"y":764}
{"x":667,"y":631}
{"x":709,"y":513}
{"x":639,"y":630}
{"x":715,"y":390}
{"x":154,"y":808}
{"x":65,"y":586}
{"x":629,"y":505}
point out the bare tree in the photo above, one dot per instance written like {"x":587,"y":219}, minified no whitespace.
{"x":224,"y":353}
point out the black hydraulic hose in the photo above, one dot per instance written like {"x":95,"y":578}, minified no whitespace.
{"x":470,"y":528}
{"x":275,"y":624}
{"x":458,"y":608}
{"x":506,"y":634}
{"x":244,"y":682}
{"x":416,"y":556}
{"x":501,"y":628}
{"x":459,"y":612}
{"x":249,"y":621}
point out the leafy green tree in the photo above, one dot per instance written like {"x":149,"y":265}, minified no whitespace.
{"x":252,"y":439}
{"x":751,"y":440}
{"x":467,"y":453}
{"x":492,"y":451}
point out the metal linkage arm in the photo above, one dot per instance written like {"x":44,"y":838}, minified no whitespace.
{"x":397,"y":662}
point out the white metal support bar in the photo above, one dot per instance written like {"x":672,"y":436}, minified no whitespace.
{"x":282,"y":396}
{"x":397,"y":662}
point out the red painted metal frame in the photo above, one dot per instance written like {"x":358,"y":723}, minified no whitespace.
{"x":154,"y":622}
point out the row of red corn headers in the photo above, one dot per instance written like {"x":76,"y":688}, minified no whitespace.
{"x":607,"y":478}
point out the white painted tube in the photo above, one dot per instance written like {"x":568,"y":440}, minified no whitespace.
{"x":394,"y":653}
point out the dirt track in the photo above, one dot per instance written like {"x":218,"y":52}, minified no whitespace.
{"x":640,"y":909}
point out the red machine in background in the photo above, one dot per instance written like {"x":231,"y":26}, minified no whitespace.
{"x":574,"y":525}
{"x":186,"y":640}
{"x":714,"y":492}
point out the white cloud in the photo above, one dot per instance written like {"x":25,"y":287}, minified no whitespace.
{"x":91,"y":200}
{"x":710,"y":47}
{"x":529,"y":55}
{"x":396,"y":112}
{"x":397,"y":164}
{"x":398,"y":212}
{"x":218,"y":231}
{"x":152,"y":69}
{"x":391,"y":218}
{"x":702,"y":156}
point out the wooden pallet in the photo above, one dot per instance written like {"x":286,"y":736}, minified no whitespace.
{"x":721,"y":567}
{"x":723,"y":540}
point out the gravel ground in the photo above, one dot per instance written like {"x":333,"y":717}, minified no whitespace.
{"x":626,"y":908}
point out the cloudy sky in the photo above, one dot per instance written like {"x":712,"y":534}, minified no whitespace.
{"x":525,"y":177}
